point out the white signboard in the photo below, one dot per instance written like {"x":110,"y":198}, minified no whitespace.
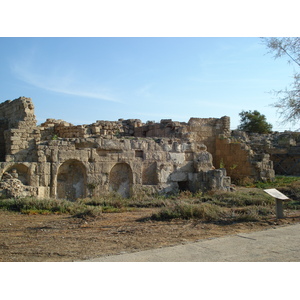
{"x":276,"y":194}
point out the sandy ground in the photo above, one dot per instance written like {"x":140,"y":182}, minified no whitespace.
{"x":36,"y":238}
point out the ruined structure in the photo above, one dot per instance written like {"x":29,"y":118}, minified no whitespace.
{"x":57,"y":159}
{"x":283,"y":148}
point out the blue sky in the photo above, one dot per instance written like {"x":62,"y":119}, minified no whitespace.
{"x":81,"y":80}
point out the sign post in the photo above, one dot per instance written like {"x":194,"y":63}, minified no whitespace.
{"x":279,"y":197}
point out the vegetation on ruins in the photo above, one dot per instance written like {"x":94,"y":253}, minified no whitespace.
{"x":254,"y":122}
{"x":288,"y":103}
{"x":247,"y":204}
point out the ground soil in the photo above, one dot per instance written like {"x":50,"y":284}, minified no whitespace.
{"x":41,"y":238}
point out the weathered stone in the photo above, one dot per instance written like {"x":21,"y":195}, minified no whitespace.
{"x":61,"y":160}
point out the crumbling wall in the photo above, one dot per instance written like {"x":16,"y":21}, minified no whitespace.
{"x":208,"y":130}
{"x":62,"y":160}
{"x":18,"y":130}
{"x":3,"y":128}
{"x":12,"y":187}
{"x":283,"y":149}
{"x":58,"y":128}
{"x":241,"y":161}
{"x":166,"y":128}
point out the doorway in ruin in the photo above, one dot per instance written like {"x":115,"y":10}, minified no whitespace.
{"x":183,"y":186}
{"x":120,"y":179}
{"x":71,"y":179}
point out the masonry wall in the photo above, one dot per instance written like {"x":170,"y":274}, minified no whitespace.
{"x":18,"y":132}
{"x":234,"y":158}
{"x":241,"y":162}
{"x":59,"y":159}
{"x":3,"y":128}
{"x":66,"y":170}
{"x":283,"y":149}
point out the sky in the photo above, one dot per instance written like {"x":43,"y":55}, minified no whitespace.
{"x":84,"y":79}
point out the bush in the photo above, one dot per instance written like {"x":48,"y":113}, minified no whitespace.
{"x":34,"y":205}
{"x":250,"y":214}
{"x":204,"y":211}
{"x":89,"y":213}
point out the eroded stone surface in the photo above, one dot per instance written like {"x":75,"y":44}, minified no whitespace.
{"x":58,"y":159}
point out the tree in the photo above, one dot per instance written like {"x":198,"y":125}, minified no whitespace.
{"x":288,"y":103}
{"x":254,"y":122}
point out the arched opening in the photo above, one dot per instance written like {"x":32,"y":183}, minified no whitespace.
{"x":120,"y":179}
{"x":71,"y":179}
{"x":19,"y":171}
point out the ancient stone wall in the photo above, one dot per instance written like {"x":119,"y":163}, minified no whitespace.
{"x":18,"y":130}
{"x":242,"y":162}
{"x":3,"y":128}
{"x":166,"y":128}
{"x":18,"y":111}
{"x":283,"y":149}
{"x":201,"y":130}
{"x":208,"y":130}
{"x":59,"y":128}
{"x":61,"y":160}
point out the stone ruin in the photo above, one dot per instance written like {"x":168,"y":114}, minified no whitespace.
{"x":59,"y":160}
{"x":283,"y":148}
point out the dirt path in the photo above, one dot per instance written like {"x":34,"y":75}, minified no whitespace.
{"x":63,"y":238}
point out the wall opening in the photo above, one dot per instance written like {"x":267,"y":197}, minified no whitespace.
{"x":149,"y":174}
{"x":139,"y":153}
{"x":183,"y":186}
{"x":120,"y":179}
{"x":71,"y":180}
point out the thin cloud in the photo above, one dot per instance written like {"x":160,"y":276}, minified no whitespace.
{"x":233,"y":81}
{"x":57,"y":82}
{"x":144,"y":91}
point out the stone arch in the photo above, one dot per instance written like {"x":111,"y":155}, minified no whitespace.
{"x":71,"y":180}
{"x":120,"y":179}
{"x":19,"y":171}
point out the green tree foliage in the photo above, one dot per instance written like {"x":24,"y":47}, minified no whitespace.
{"x":288,"y":103}
{"x":254,"y":122}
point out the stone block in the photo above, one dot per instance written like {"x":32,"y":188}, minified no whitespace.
{"x":179,"y":176}
{"x":177,"y":158}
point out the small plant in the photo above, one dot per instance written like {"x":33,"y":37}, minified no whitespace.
{"x":92,"y":185}
{"x":54,"y":137}
{"x":222,"y":165}
{"x":89,"y":213}
{"x":234,"y":166}
{"x":117,"y":133}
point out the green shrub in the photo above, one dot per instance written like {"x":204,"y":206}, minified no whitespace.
{"x":204,"y":211}
{"x":25,"y":205}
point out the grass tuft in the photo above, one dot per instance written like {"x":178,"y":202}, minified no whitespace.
{"x":89,"y":213}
